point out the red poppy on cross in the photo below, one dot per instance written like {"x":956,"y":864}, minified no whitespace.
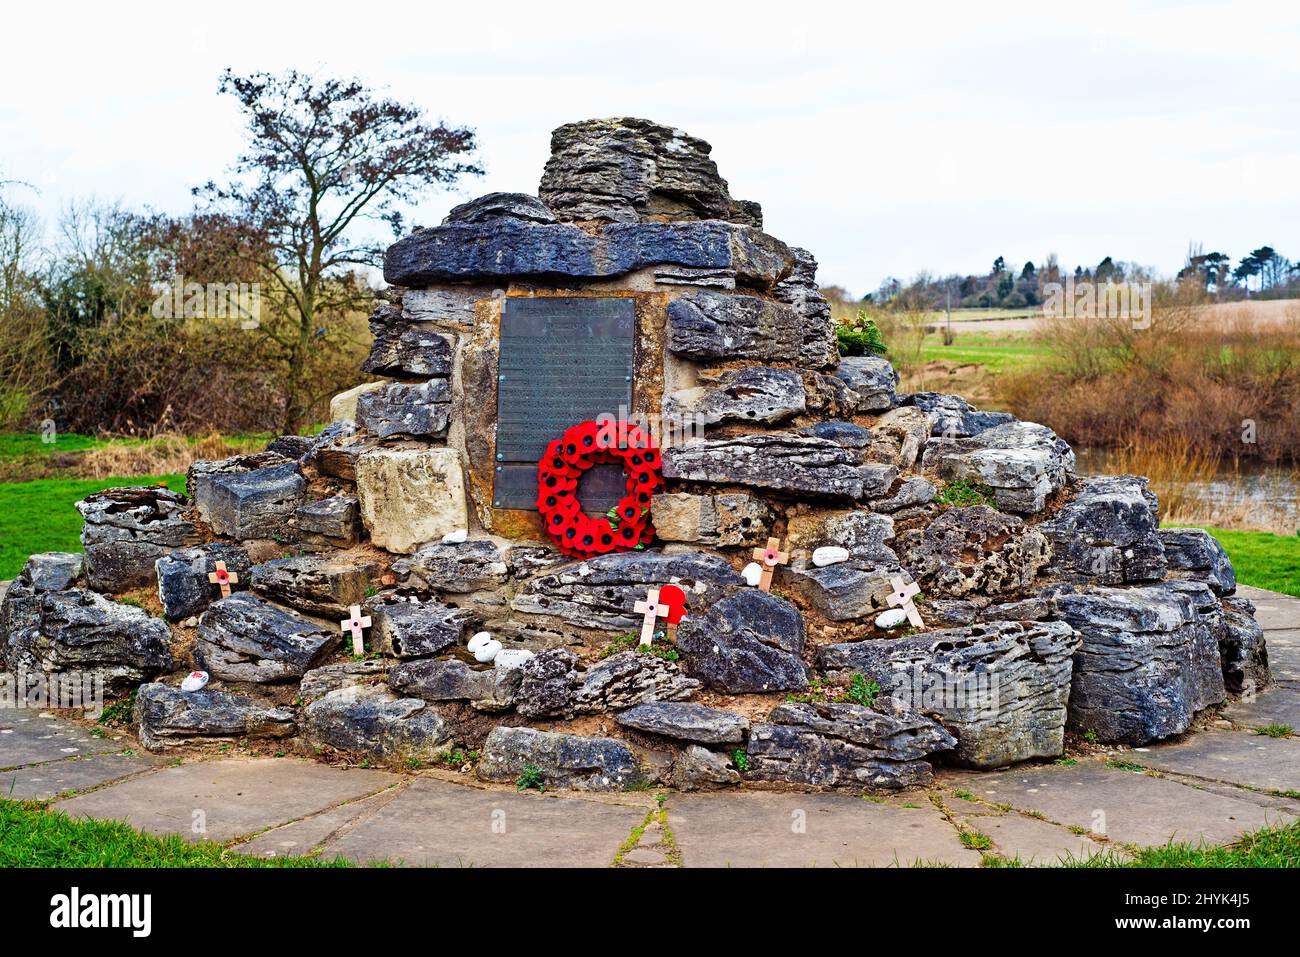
{"x":354,"y":623}
{"x":223,"y":579}
{"x":771,"y":556}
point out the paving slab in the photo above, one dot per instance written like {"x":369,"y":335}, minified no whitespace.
{"x":226,"y":799}
{"x":28,"y":736}
{"x":40,"y":782}
{"x":438,"y":823}
{"x":1239,"y":757}
{"x":810,"y":830}
{"x":1029,"y":839}
{"x":1279,"y":703}
{"x":1272,"y":610}
{"x":1125,"y":806}
{"x":300,"y":837}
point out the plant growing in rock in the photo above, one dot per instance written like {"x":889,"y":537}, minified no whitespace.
{"x":862,"y":690}
{"x":964,"y":493}
{"x":740,"y":759}
{"x":532,"y":778}
{"x":859,"y":337}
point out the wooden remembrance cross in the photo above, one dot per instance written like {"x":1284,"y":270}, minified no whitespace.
{"x":901,"y":597}
{"x":770,"y":557}
{"x":354,"y":623}
{"x":223,"y":579}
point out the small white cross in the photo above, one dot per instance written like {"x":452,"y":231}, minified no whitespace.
{"x":653,"y":611}
{"x":354,"y":623}
{"x":901,"y":597}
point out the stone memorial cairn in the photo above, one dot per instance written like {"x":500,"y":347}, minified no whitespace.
{"x":1056,"y":604}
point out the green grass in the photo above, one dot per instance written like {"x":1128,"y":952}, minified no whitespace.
{"x":33,"y":836}
{"x":40,"y":516}
{"x":1263,"y":559}
{"x":997,"y":352}
{"x":15,"y":445}
{"x":1269,"y":847}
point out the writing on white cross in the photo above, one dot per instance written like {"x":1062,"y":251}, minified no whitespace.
{"x":355,"y":623}
{"x":901,"y":597}
{"x":223,"y":579}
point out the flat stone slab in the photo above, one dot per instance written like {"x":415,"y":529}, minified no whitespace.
{"x":810,"y":830}
{"x":235,"y":797}
{"x":1028,"y":839}
{"x":1279,"y":703}
{"x":1273,"y":611}
{"x":40,"y":782}
{"x":1253,"y":760}
{"x":28,"y":736}
{"x":437,"y":823}
{"x":300,"y":837}
{"x":1125,"y":806}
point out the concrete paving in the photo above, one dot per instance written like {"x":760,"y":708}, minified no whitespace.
{"x":1249,"y":760}
{"x":28,"y":736}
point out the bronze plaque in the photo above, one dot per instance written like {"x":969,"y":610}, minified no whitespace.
{"x":562,"y":361}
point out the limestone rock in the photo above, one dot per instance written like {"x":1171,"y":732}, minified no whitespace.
{"x":126,"y":530}
{"x":723,"y":520}
{"x":422,"y":409}
{"x":319,"y":682}
{"x":448,"y":307}
{"x":1001,"y":689}
{"x":1108,"y":534}
{"x":686,"y":722}
{"x":337,"y":456}
{"x":1146,"y":665}
{"x":496,"y":205}
{"x":247,"y":496}
{"x":242,"y":638}
{"x":713,"y":326}
{"x":974,"y":551}
{"x":900,"y":435}
{"x":818,"y":348}
{"x":1242,"y":648}
{"x":372,"y":721}
{"x":322,"y":585}
{"x":748,"y":641}
{"x":490,"y":689}
{"x":847,"y":591}
{"x":952,"y":417}
{"x":565,"y":760}
{"x":183,"y":585}
{"x":872,"y":380}
{"x":410,"y":496}
{"x":631,"y":678}
{"x":167,"y":717}
{"x":600,"y":593}
{"x":547,"y":684}
{"x":845,"y":745}
{"x":335,"y":521}
{"x":626,"y":170}
{"x":784,"y":462}
{"x":699,"y":769}
{"x":752,"y":394}
{"x":864,"y":534}
{"x":458,"y":569}
{"x":1021,"y":462}
{"x":415,"y":629}
{"x":20,"y":600}
{"x":911,"y":492}
{"x":343,"y":407}
{"x":1194,"y":553}
{"x":403,"y":349}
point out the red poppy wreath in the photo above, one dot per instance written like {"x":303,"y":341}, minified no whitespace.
{"x":623,"y":527}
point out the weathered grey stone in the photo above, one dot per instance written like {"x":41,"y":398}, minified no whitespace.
{"x":406,"y":349}
{"x":296,"y":447}
{"x":630,"y":678}
{"x":319,"y":682}
{"x":564,"y":760}
{"x":242,"y":638}
{"x":495,"y":205}
{"x":127,"y":530}
{"x":183,"y":585}
{"x":686,"y":722}
{"x":784,"y":462}
{"x":689,"y":276}
{"x":900,"y":435}
{"x":410,"y":496}
{"x":422,"y":409}
{"x":845,"y":745}
{"x":20,"y":600}
{"x":337,"y":457}
{"x":1108,"y":534}
{"x":1242,"y":648}
{"x":1146,"y":665}
{"x":449,"y":306}
{"x":872,"y":379}
{"x":489,"y":689}
{"x":751,"y":394}
{"x":974,"y":551}
{"x":699,"y":769}
{"x":471,"y":566}
{"x":952,"y":417}
{"x":709,"y":325}
{"x":1021,"y":462}
{"x":80,"y":634}
{"x":322,"y":585}
{"x":911,"y":492}
{"x":167,"y":717}
{"x":1036,"y":608}
{"x":600,"y":593}
{"x":1001,"y":689}
{"x":847,"y":435}
{"x":247,"y":496}
{"x":1194,"y":553}
{"x":748,"y":641}
{"x":846,"y":591}
{"x":52,"y":571}
{"x":548,"y":684}
{"x":627,"y":169}
{"x":371,"y":721}
{"x":414,"y":628}
{"x":864,"y":534}
{"x":819,"y":346}
{"x":330,"y":521}
{"x":724,"y":520}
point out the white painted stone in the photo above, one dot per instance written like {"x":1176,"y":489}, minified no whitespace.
{"x":752,"y":573}
{"x":194,"y":681}
{"x":829,"y":555}
{"x":511,"y":657}
{"x":410,"y":496}
{"x":478,"y":641}
{"x":488,"y":651}
{"x":891,"y":619}
{"x":456,"y":537}
{"x":344,"y":405}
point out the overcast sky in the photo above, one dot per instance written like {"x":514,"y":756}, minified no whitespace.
{"x":887,"y":139}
